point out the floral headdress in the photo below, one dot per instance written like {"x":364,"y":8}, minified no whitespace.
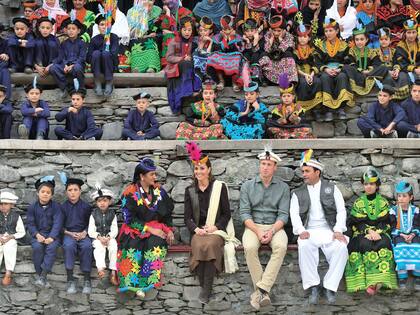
{"x":195,"y":153}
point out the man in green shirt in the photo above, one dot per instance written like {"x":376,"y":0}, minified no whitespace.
{"x":264,"y":209}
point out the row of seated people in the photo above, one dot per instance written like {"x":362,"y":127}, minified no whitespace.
{"x":206,"y":120}
{"x":327,"y":72}
{"x":370,"y":246}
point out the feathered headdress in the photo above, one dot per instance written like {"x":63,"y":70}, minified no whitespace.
{"x":303,"y":30}
{"x":195,"y":153}
{"x":101,"y":192}
{"x":359,"y":29}
{"x":284,"y":84}
{"x":268,"y":154}
{"x":329,"y":22}
{"x":410,"y":25}
{"x":306,"y":159}
{"x":73,"y":15}
{"x":306,"y":155}
{"x":384,"y":87}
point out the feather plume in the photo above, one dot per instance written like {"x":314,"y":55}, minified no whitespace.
{"x":50,"y":16}
{"x":76,"y":84}
{"x":306,"y":155}
{"x":47,"y":178}
{"x":99,"y":189}
{"x":283,"y":81}
{"x":101,"y":9}
{"x":379,"y":84}
{"x":268,"y":149}
{"x":34,"y":83}
{"x":193,"y":150}
{"x":63,"y":177}
{"x":410,"y":23}
{"x":73,"y":15}
{"x":412,"y":78}
{"x":302,"y":28}
{"x":327,"y":20}
{"x":359,"y":25}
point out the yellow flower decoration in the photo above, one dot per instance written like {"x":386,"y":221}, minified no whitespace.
{"x":140,"y":202}
{"x":136,"y":267}
{"x":158,"y":273}
{"x":157,"y":251}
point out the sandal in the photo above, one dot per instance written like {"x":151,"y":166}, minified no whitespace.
{"x":220,"y":86}
{"x":236,"y":88}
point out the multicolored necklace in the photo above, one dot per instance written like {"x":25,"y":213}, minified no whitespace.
{"x":303,"y":52}
{"x":144,"y":199}
{"x":385,"y":54}
{"x":332,"y":50}
{"x":359,"y":59}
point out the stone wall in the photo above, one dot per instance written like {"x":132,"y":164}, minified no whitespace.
{"x":180,"y":291}
{"x":110,"y":114}
{"x":231,"y":163}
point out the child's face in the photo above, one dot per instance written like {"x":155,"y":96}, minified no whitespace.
{"x":102,"y":27}
{"x":404,"y":199}
{"x":251,"y":97}
{"x":202,"y":31}
{"x":76,"y":101}
{"x":28,"y":12}
{"x":45,"y":28}
{"x":34,"y":95}
{"x":314,"y":4}
{"x":20,"y":29}
{"x":360,"y":40}
{"x":277,"y":32}
{"x":79,"y":4}
{"x":415,"y":93}
{"x":73,"y":193}
{"x":287,"y":98}
{"x":370,"y":188}
{"x":45,"y":194}
{"x":209,"y":95}
{"x":303,"y":40}
{"x":186,"y":31}
{"x":368,"y":4}
{"x":228,"y":31}
{"x":384,"y":41}
{"x":384,"y":98}
{"x":72,"y":31}
{"x":5,"y":207}
{"x":103,"y":203}
{"x":250,"y":33}
{"x":142,"y":104}
{"x":330,"y":33}
{"x":411,"y":35}
{"x":50,"y":2}
{"x":2,"y":95}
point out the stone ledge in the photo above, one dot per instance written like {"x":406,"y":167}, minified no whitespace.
{"x":213,"y":145}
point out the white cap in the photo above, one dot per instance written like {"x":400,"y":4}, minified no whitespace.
{"x":8,"y":197}
{"x":269,"y":155}
{"x":307,"y":160}
{"x":102,"y":192}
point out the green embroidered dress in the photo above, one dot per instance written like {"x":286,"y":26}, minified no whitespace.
{"x":370,"y":262}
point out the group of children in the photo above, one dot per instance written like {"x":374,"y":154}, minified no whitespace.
{"x":74,"y":225}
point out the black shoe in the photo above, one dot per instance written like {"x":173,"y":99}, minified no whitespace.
{"x":330,"y":295}
{"x":12,"y":70}
{"x":28,"y":70}
{"x":71,"y":287}
{"x":87,"y":287}
{"x":314,"y":295}
{"x":402,"y":284}
{"x":328,"y":116}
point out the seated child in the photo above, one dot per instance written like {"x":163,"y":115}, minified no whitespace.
{"x":4,"y":65}
{"x":76,"y":241}
{"x":21,"y":47}
{"x":6,"y":110}
{"x":411,"y":126}
{"x":383,"y":116}
{"x":407,"y":53}
{"x":80,"y":124}
{"x":11,"y":229}
{"x":73,"y":51}
{"x":35,"y":114}
{"x":405,"y":223}
{"x":44,"y":221}
{"x":103,"y":229}
{"x":246,"y":118}
{"x":103,"y":61}
{"x":253,"y":48}
{"x":204,"y":121}
{"x":140,"y":123}
{"x":286,"y":120}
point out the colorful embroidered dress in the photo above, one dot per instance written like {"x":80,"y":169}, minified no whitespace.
{"x":140,"y":254}
{"x":249,"y":126}
{"x":370,"y":262}
{"x":407,"y":255}
{"x":203,"y":124}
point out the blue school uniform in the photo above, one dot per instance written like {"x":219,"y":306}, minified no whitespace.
{"x":48,"y":221}
{"x":76,"y":219}
{"x":72,"y":52}
{"x":81,"y":125}
{"x":379,"y":117}
{"x":412,"y":111}
{"x":137,"y":122}
{"x":21,"y":57}
{"x":36,"y":125}
{"x":4,"y":68}
{"x":6,"y":110}
{"x":47,"y":51}
{"x":102,"y":61}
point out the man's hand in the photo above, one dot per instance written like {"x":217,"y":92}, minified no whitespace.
{"x":340,"y":237}
{"x":170,"y":238}
{"x":40,"y":238}
{"x":304,"y":235}
{"x":267,"y":237}
{"x":48,"y":240}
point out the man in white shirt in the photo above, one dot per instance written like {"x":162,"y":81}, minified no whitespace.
{"x":318,"y":215}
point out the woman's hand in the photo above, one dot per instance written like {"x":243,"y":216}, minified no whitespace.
{"x":157,"y":232}
{"x":170,"y":237}
{"x":199,"y":231}
{"x":373,"y":236}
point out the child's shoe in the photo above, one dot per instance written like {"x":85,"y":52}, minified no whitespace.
{"x":23,"y":132}
{"x":402,"y":284}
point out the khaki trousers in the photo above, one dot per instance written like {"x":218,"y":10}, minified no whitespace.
{"x":99,"y":253}
{"x":9,"y":251}
{"x":264,"y":279}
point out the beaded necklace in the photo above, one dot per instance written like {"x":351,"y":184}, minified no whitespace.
{"x":412,"y":53}
{"x":332,"y":50}
{"x":359,"y":59}
{"x":303,"y":52}
{"x":385,"y":54}
{"x":145,"y":199}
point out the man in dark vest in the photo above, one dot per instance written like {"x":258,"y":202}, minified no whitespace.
{"x":318,"y":215}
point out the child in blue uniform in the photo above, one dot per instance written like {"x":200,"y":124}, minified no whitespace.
{"x":47,"y":46}
{"x":383,"y":117}
{"x":103,"y":61}
{"x":21,"y":47}
{"x":6,"y":110}
{"x":80,"y":124}
{"x":44,"y":221}
{"x":35,"y":114}
{"x":140,"y":123}
{"x":411,"y":127}
{"x":76,"y":241}
{"x":73,"y":52}
{"x":4,"y":65}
